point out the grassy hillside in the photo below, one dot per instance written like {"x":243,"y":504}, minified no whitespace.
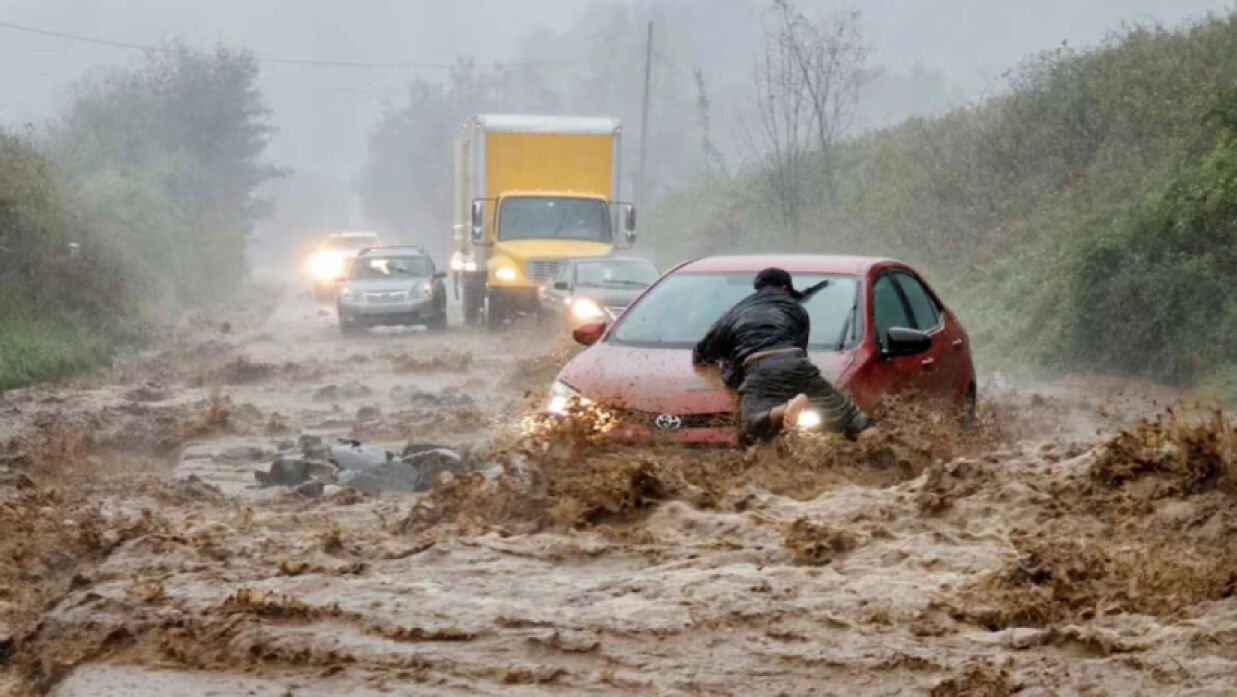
{"x":1083,"y":219}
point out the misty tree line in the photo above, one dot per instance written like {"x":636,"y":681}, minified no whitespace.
{"x":141,"y":194}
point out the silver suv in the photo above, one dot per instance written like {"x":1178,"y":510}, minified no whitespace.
{"x":392,"y":285}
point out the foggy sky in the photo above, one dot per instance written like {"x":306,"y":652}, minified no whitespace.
{"x":324,"y":113}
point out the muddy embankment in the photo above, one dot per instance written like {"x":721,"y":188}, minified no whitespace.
{"x":1061,"y":548}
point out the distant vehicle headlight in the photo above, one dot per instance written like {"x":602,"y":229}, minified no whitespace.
{"x":470,"y":265}
{"x":463,"y":264}
{"x":587,"y":309}
{"x":561,"y":398}
{"x":326,"y":265}
{"x":809,"y":419}
{"x":506,"y":273}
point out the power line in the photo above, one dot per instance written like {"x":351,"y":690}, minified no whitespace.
{"x":276,"y":60}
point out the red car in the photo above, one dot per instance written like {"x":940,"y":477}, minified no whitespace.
{"x":877,"y":328}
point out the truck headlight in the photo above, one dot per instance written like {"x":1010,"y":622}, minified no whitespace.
{"x":561,"y":398}
{"x":587,"y":309}
{"x":505,"y":273}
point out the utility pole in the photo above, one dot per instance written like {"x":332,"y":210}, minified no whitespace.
{"x":644,"y":116}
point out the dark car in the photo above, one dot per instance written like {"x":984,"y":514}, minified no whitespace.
{"x":590,"y":289}
{"x":877,"y":328}
{"x":392,"y":285}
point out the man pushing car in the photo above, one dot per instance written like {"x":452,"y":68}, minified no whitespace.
{"x":761,"y":346}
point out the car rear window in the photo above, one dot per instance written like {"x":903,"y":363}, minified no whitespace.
{"x":679,"y":310}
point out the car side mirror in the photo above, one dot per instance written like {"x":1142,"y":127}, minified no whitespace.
{"x":900,"y":341}
{"x":589,"y":333}
{"x":439,"y":275}
{"x":562,"y":285}
{"x":478,"y":221}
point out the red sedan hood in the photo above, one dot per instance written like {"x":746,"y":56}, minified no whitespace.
{"x":661,"y":380}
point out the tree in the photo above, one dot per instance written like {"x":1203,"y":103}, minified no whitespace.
{"x":807,"y":79}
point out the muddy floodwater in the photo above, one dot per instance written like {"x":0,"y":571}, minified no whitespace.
{"x":1063,"y":548}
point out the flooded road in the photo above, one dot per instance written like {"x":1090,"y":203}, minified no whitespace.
{"x":1048,"y":553}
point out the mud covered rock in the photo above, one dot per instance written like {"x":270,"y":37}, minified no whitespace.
{"x":242,"y":452}
{"x":311,"y":489}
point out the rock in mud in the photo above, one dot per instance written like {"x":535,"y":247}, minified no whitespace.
{"x":311,"y":489}
{"x":354,"y":456}
{"x":369,"y":413}
{"x":286,"y":471}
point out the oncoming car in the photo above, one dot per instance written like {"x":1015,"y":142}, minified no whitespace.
{"x":392,"y":285}
{"x":589,"y":289}
{"x":330,"y":261}
{"x":877,"y":328}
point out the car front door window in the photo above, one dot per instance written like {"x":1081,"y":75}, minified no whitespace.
{"x":923,"y":307}
{"x":888,"y":308}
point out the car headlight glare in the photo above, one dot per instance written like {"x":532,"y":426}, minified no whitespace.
{"x":326,"y":265}
{"x":562,"y":397}
{"x":505,"y":273}
{"x":809,"y":419}
{"x":345,"y":293}
{"x":587,"y":309}
{"x":427,"y":289}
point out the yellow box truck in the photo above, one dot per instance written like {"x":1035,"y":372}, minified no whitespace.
{"x":531,"y":191}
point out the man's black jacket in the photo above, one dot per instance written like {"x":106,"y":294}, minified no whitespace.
{"x":765,"y":320}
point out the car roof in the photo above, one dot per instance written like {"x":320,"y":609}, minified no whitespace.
{"x":794,"y":263}
{"x":400,"y":248}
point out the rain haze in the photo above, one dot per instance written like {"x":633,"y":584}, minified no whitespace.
{"x":621,"y":347}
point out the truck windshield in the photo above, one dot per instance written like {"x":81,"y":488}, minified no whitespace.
{"x":554,"y":217}
{"x":679,"y":311}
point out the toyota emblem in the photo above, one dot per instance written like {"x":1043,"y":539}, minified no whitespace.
{"x":668,"y":422}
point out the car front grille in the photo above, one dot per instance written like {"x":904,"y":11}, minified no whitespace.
{"x":714,"y":420}
{"x":392,"y":297}
{"x":542,"y":269}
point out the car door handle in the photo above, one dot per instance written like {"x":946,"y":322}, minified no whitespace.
{"x":958,"y":343}
{"x":929,"y":362}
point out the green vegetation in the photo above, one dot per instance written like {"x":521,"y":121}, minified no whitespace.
{"x":1084,"y":218}
{"x":135,"y":205}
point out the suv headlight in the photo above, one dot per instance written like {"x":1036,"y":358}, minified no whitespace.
{"x":427,"y":289}
{"x":345,"y":293}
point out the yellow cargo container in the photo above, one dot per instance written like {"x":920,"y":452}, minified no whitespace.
{"x":531,"y":191}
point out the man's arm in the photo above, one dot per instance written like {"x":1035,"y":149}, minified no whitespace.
{"x":715,"y":344}
{"x":803,"y":328}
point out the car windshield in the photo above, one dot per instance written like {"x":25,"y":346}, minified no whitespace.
{"x":615,"y":274}
{"x":679,"y":310}
{"x":554,"y":217}
{"x":368,"y":268}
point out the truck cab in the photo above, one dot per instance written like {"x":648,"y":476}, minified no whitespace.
{"x":531,"y":192}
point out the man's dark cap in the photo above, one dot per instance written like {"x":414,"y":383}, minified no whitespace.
{"x":774,"y":277}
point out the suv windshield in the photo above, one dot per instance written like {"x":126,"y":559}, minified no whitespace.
{"x":554,"y":217}
{"x":679,"y":311}
{"x":615,"y":274}
{"x":372,"y":267}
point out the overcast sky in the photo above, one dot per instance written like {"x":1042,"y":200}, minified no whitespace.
{"x":323,"y":113}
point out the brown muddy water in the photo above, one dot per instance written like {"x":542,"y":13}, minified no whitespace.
{"x":1063,"y":548}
